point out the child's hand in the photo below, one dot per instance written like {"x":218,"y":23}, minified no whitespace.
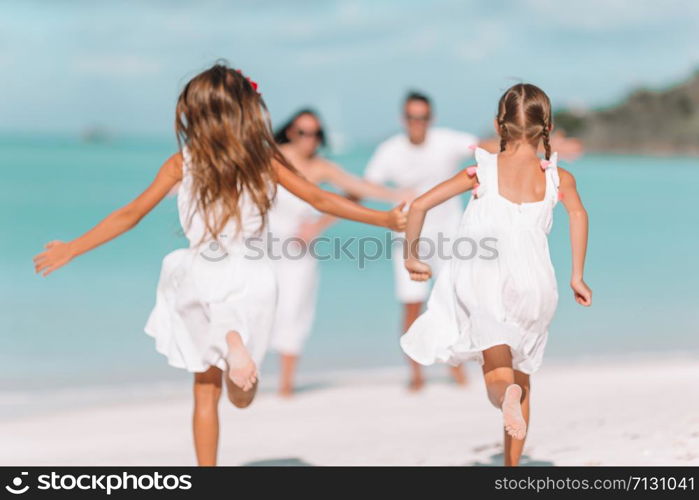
{"x":582,"y":292}
{"x":397,"y":219}
{"x":57,"y":254}
{"x":419,"y":271}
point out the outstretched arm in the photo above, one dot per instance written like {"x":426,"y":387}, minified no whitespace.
{"x":461,"y":182}
{"x":337,"y":205}
{"x":355,"y":188}
{"x":358,"y":187}
{"x":312,"y":227}
{"x":59,"y":253}
{"x":577,"y":216}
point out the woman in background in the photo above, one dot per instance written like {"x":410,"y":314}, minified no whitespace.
{"x":291,"y":222}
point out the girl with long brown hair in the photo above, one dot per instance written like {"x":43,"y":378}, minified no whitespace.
{"x":216,"y":299}
{"x":495,"y":304}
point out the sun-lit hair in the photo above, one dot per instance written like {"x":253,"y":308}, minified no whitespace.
{"x":524,"y":113}
{"x":224,"y":124}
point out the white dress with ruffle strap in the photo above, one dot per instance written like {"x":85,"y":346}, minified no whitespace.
{"x":504,"y":294}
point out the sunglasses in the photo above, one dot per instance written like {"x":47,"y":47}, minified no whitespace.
{"x":417,"y":118}
{"x":316,"y":134}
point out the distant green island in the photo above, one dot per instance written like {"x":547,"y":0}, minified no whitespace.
{"x":647,"y":121}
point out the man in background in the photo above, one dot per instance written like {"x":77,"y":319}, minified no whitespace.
{"x":417,"y":160}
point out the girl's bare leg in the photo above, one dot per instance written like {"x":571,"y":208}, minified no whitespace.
{"x":514,"y":447}
{"x":410,"y":314}
{"x":286,"y":383}
{"x":498,"y":372}
{"x":458,"y":374}
{"x":207,"y":392}
{"x":503,"y":391}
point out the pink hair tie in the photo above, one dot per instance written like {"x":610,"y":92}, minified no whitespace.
{"x":475,"y":190}
{"x":473,"y":147}
{"x":545,"y":164}
{"x":471,"y":171}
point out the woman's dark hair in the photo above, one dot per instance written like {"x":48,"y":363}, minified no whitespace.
{"x":281,"y":135}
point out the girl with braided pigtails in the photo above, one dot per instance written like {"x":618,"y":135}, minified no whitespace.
{"x":495,"y":307}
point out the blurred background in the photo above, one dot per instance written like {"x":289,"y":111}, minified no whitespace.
{"x":87,"y":94}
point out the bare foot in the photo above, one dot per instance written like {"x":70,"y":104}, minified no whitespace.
{"x":459,"y":376}
{"x":286,"y":392}
{"x":512,"y":412}
{"x":416,"y":384}
{"x":241,"y":368}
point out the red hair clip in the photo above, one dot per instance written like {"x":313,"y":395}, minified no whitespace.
{"x":252,"y":83}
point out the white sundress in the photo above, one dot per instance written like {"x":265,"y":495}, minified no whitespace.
{"x":296,"y":270}
{"x":208,"y":289}
{"x":488,"y":300}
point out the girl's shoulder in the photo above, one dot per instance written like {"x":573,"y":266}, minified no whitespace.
{"x":565,"y":177}
{"x":174,"y":165}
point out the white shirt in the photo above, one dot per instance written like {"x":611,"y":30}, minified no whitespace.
{"x":420,"y":167}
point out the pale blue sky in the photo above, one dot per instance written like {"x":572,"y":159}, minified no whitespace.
{"x":65,"y":65}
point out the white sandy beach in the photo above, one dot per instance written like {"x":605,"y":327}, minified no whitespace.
{"x":632,"y":412}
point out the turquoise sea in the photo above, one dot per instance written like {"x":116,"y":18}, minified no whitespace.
{"x":83,"y":324}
